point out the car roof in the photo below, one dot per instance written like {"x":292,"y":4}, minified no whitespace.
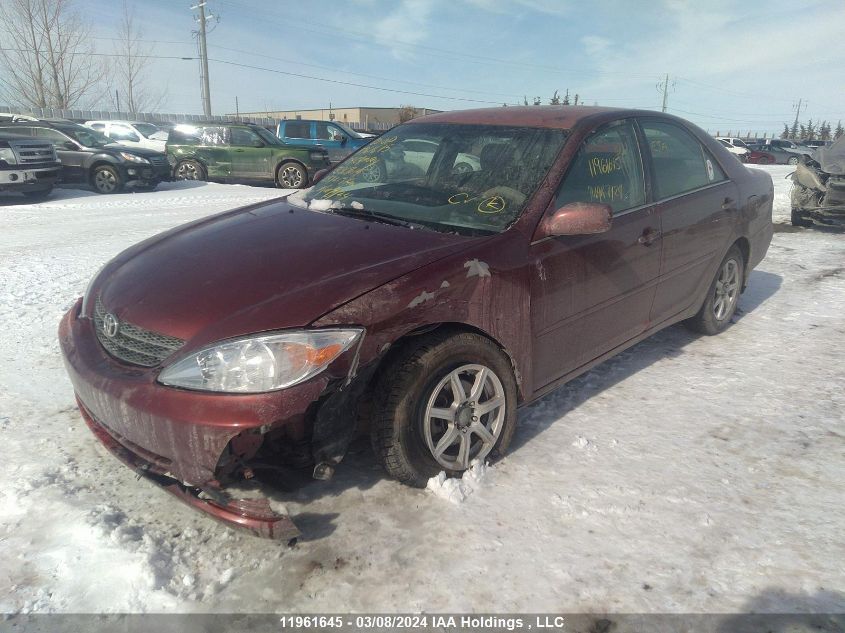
{"x":553,"y":117}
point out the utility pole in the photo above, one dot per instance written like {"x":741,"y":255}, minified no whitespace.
{"x":206,"y":93}
{"x":237,"y":109}
{"x":665,"y":90}
{"x":117,"y":99}
{"x":797,"y":111}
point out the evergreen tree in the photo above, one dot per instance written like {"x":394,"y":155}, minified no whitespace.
{"x":566,"y":98}
{"x":793,"y":131}
{"x":811,"y":130}
{"x":802,"y":132}
{"x":839,"y":131}
{"x":785,"y":133}
{"x":555,"y":100}
{"x":824,"y":131}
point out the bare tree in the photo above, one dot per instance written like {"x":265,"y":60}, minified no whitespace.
{"x":406,"y":113}
{"x":47,"y":56}
{"x":133,"y":93}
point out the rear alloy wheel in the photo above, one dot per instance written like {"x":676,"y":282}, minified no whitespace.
{"x":722,"y":296}
{"x":190,"y":170}
{"x":291,"y":176}
{"x":442,"y":404}
{"x":793,"y":160}
{"x":106,"y":179}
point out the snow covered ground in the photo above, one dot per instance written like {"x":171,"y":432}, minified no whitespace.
{"x":687,"y":475}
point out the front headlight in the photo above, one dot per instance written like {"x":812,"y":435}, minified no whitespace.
{"x":7,"y":154}
{"x":134,"y":158}
{"x":259,"y":363}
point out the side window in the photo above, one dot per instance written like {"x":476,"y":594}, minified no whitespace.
{"x":212,"y":135}
{"x":123,"y":133}
{"x":607,"y":170}
{"x":680,"y":162}
{"x":326,"y":131}
{"x":55,"y":137}
{"x":297,"y":129}
{"x":244,"y":137}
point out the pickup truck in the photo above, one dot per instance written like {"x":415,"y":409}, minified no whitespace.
{"x":28,"y":166}
{"x":336,"y":138}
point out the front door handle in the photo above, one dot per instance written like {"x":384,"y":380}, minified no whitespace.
{"x":649,"y":237}
{"x":729,"y":204}
{"x":238,"y":150}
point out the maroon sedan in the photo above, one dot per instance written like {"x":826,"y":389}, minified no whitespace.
{"x":419,"y":291}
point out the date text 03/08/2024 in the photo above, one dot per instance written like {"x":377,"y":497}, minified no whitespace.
{"x":469,"y":622}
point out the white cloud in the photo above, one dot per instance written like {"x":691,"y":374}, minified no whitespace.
{"x":408,"y":23}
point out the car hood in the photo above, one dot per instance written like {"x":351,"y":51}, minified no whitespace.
{"x":139,"y":151}
{"x":264,"y":267}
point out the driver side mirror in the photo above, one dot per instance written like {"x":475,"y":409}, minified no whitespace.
{"x":576,"y":218}
{"x":68,"y":145}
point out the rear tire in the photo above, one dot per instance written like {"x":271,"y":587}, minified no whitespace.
{"x":722,"y":296}
{"x":417,"y":387}
{"x":190,"y":170}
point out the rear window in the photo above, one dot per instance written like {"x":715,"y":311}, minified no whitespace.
{"x":297,"y":129}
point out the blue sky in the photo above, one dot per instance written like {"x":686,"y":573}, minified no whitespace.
{"x":732,"y":65}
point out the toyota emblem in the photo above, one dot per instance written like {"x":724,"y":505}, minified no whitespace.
{"x":111,"y":325}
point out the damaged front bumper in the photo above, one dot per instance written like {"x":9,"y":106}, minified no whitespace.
{"x":254,"y":515}
{"x":817,"y":195}
{"x":191,"y":442}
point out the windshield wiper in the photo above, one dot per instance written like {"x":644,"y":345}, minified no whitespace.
{"x":368,"y":214}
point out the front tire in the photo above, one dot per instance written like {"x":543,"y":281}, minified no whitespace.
{"x":291,"y":175}
{"x":106,"y":179}
{"x":722,"y":296}
{"x":442,"y":403}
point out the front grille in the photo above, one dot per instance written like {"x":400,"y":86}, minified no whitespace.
{"x":133,"y":344}
{"x":29,"y":152}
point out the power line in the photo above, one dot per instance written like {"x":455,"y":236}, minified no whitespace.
{"x":276,"y":71}
{"x":329,"y":68}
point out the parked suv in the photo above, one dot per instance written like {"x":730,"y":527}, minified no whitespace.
{"x":339,"y":140}
{"x":241,"y":152}
{"x":91,"y":158}
{"x":27,"y":166}
{"x":132,"y":133}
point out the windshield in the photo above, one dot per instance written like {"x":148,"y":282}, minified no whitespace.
{"x":467,"y":179}
{"x":147,"y":129}
{"x":86,"y":136}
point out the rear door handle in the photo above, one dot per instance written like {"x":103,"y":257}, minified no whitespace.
{"x":649,"y":237}
{"x":729,"y":204}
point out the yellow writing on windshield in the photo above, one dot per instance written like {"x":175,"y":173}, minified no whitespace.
{"x":488,"y":205}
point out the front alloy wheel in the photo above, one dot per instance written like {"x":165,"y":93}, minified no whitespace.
{"x":291,"y":176}
{"x":106,"y":179}
{"x":441,"y":402}
{"x":464,"y":416}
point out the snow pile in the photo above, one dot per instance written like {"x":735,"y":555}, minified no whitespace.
{"x":457,"y":490}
